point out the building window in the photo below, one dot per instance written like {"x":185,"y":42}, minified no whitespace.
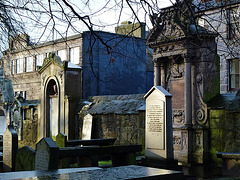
{"x":39,"y":60}
{"x":19,"y":65}
{"x":62,"y":54}
{"x":234,"y":74}
{"x":233,"y":23}
{"x":29,"y":64}
{"x":13,"y":66}
{"x":74,"y":55}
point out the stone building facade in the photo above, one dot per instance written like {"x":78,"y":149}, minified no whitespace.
{"x":63,"y":72}
{"x":223,"y":18}
{"x":21,"y":61}
{"x":106,"y":68}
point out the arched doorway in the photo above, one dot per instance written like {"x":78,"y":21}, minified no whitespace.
{"x":52,"y":109}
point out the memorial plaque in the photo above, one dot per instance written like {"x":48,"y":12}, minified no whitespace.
{"x":158,"y":129}
{"x":46,"y":157}
{"x":61,"y":140}
{"x":10,"y":147}
{"x":155,"y":124}
{"x":87,"y":127}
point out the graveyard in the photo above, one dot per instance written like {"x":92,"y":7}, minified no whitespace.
{"x":182,"y":127}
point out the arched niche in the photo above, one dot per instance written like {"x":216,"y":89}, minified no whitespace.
{"x":2,"y":123}
{"x":52,"y":107}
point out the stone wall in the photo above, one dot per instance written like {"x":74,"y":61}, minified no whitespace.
{"x":224,"y":123}
{"x":128,"y":129}
{"x":121,"y":117}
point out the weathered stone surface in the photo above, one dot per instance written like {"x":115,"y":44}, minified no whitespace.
{"x":30,"y":133}
{"x":25,"y":159}
{"x":112,"y":119}
{"x":115,"y":173}
{"x":122,"y":104}
{"x":158,"y":128}
{"x":61,"y":140}
{"x":87,"y":127}
{"x":46,"y":157}
{"x":10,"y":146}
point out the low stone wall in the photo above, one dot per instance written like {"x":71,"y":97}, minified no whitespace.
{"x":224,"y":125}
{"x":118,"y":117}
{"x":128,"y":129}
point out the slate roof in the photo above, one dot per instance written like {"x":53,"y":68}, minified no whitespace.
{"x":223,"y":101}
{"x":117,"y":104}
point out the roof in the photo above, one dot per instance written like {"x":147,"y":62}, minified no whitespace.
{"x":227,"y":101}
{"x":176,"y":23}
{"x":213,"y":4}
{"x":117,"y":104}
{"x":73,"y":66}
{"x":160,"y":89}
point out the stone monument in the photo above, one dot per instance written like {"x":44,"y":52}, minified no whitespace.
{"x":46,"y":157}
{"x":87,"y":127}
{"x":158,"y":126}
{"x":61,"y":140}
{"x":186,"y":64}
{"x":10,"y":147}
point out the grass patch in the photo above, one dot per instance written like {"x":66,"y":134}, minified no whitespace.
{"x":105,"y":163}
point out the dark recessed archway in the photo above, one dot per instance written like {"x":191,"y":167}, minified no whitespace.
{"x":52,"y":108}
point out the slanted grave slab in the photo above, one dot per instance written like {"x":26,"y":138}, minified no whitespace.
{"x":10,"y":147}
{"x":46,"y":157}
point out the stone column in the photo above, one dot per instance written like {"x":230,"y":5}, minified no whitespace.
{"x":163,"y":81}
{"x":157,"y":73}
{"x":188,"y":94}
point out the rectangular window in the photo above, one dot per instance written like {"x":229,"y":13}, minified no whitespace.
{"x":62,"y":54}
{"x":234,"y":74}
{"x":233,"y":23}
{"x":74,"y":55}
{"x":29,"y":64}
{"x":19,"y":65}
{"x":39,"y":60}
{"x":13,"y":66}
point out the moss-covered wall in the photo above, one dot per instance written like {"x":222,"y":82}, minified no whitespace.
{"x":224,"y":132}
{"x":29,"y":134}
{"x":126,"y":128}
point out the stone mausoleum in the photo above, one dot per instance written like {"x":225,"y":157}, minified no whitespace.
{"x":186,"y":65}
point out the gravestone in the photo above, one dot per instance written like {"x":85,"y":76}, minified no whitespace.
{"x":61,"y":140}
{"x":158,"y":126}
{"x":87,"y":127}
{"x":46,"y":157}
{"x":25,"y":159}
{"x":10,"y":147}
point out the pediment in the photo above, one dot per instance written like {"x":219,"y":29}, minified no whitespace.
{"x":52,"y":60}
{"x":164,"y":33}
